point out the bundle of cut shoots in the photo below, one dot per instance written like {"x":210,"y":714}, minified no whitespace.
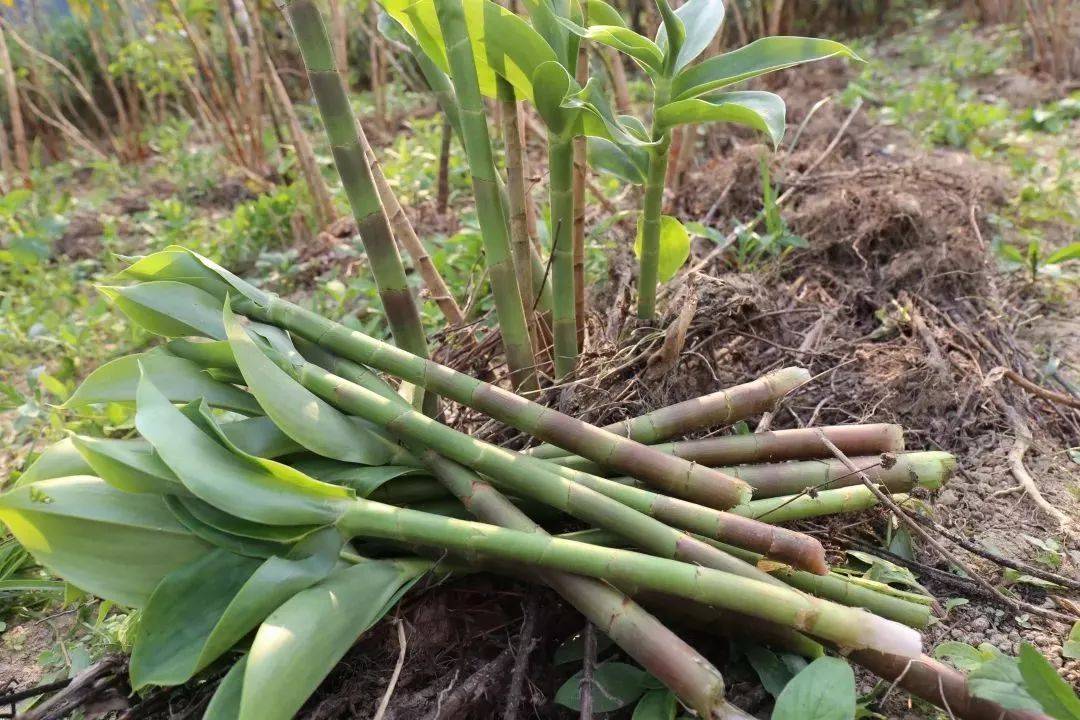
{"x":282,"y":487}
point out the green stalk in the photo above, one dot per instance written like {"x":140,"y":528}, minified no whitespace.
{"x":343,"y":130}
{"x":898,"y":473}
{"x":847,"y":627}
{"x":790,"y":508}
{"x":561,"y":196}
{"x":906,"y":608}
{"x":768,"y":447}
{"x":535,"y":479}
{"x":675,"y":475}
{"x":722,"y":407}
{"x":509,"y":305}
{"x":652,"y":209}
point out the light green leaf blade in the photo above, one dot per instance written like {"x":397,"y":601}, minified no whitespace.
{"x":222,"y":521}
{"x":999,"y":680}
{"x":600,"y":13}
{"x":299,"y":413}
{"x":113,"y":544}
{"x":361,"y":478}
{"x":674,"y":246}
{"x":623,"y":39}
{"x":1069,"y":252}
{"x":176,"y":264}
{"x":1044,"y":684}
{"x":255,"y":489}
{"x":701,"y":20}
{"x":127,"y":466}
{"x":225,"y":704}
{"x":1071,"y":648}
{"x":200,"y":611}
{"x":180,"y":380}
{"x":61,"y":459}
{"x":762,"y":111}
{"x":552,"y":83}
{"x":616,"y":685}
{"x":760,"y":57}
{"x":627,"y":164}
{"x":304,"y":638}
{"x":169,"y":308}
{"x":825,"y":690}
{"x":204,"y":353}
{"x":240,"y":545}
{"x":656,"y":705}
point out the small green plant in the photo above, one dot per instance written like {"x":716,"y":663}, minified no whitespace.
{"x":1035,"y":260}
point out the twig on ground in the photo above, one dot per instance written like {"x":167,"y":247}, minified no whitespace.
{"x":453,"y":705}
{"x":526,"y":643}
{"x":886,"y":500}
{"x":587,"y":662}
{"x":982,"y":552}
{"x":94,"y":680}
{"x":18,"y":695}
{"x":397,"y":671}
{"x":1020,"y":472}
{"x":1039,"y":390}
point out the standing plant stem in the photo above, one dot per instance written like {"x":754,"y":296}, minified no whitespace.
{"x":18,"y":129}
{"x":561,"y":192}
{"x":490,"y":211}
{"x":344,"y":132}
{"x":581,"y":170}
{"x":521,"y":243}
{"x":652,"y":210}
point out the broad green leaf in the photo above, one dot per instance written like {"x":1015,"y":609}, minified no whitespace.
{"x":1044,"y":684}
{"x":999,"y":680}
{"x":239,"y":527}
{"x":759,"y":110}
{"x":169,"y":308}
{"x":674,"y":246}
{"x":758,"y":58}
{"x":21,"y":585}
{"x":234,"y":283}
{"x":131,"y":467}
{"x":701,"y":21}
{"x":670,"y":36}
{"x":825,"y":690}
{"x":552,"y":83}
{"x":615,"y":685}
{"x":363,"y":479}
{"x":1071,"y":648}
{"x":180,"y":380}
{"x":176,"y":264}
{"x":299,"y":413}
{"x":961,"y":655}
{"x":305,"y":638}
{"x":204,"y":353}
{"x":240,"y":545}
{"x":259,"y":436}
{"x":656,"y":705}
{"x":61,"y":459}
{"x":113,"y":544}
{"x":770,"y":669}
{"x":225,"y":704}
{"x":600,"y":13}
{"x":1069,"y":252}
{"x":623,"y":39}
{"x":630,"y":164}
{"x":200,"y":611}
{"x":252,"y":488}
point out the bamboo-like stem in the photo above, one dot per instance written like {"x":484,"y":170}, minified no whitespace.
{"x":342,"y":128}
{"x":667,"y":472}
{"x":773,"y":446}
{"x":536,"y":479}
{"x":490,"y":210}
{"x":848,"y":627}
{"x":581,"y":170}
{"x":18,"y":128}
{"x":719,"y":408}
{"x":652,"y":209}
{"x":520,"y":242}
{"x":898,"y":473}
{"x":880,"y":599}
{"x":789,"y":508}
{"x":406,"y":235}
{"x":561,"y":196}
